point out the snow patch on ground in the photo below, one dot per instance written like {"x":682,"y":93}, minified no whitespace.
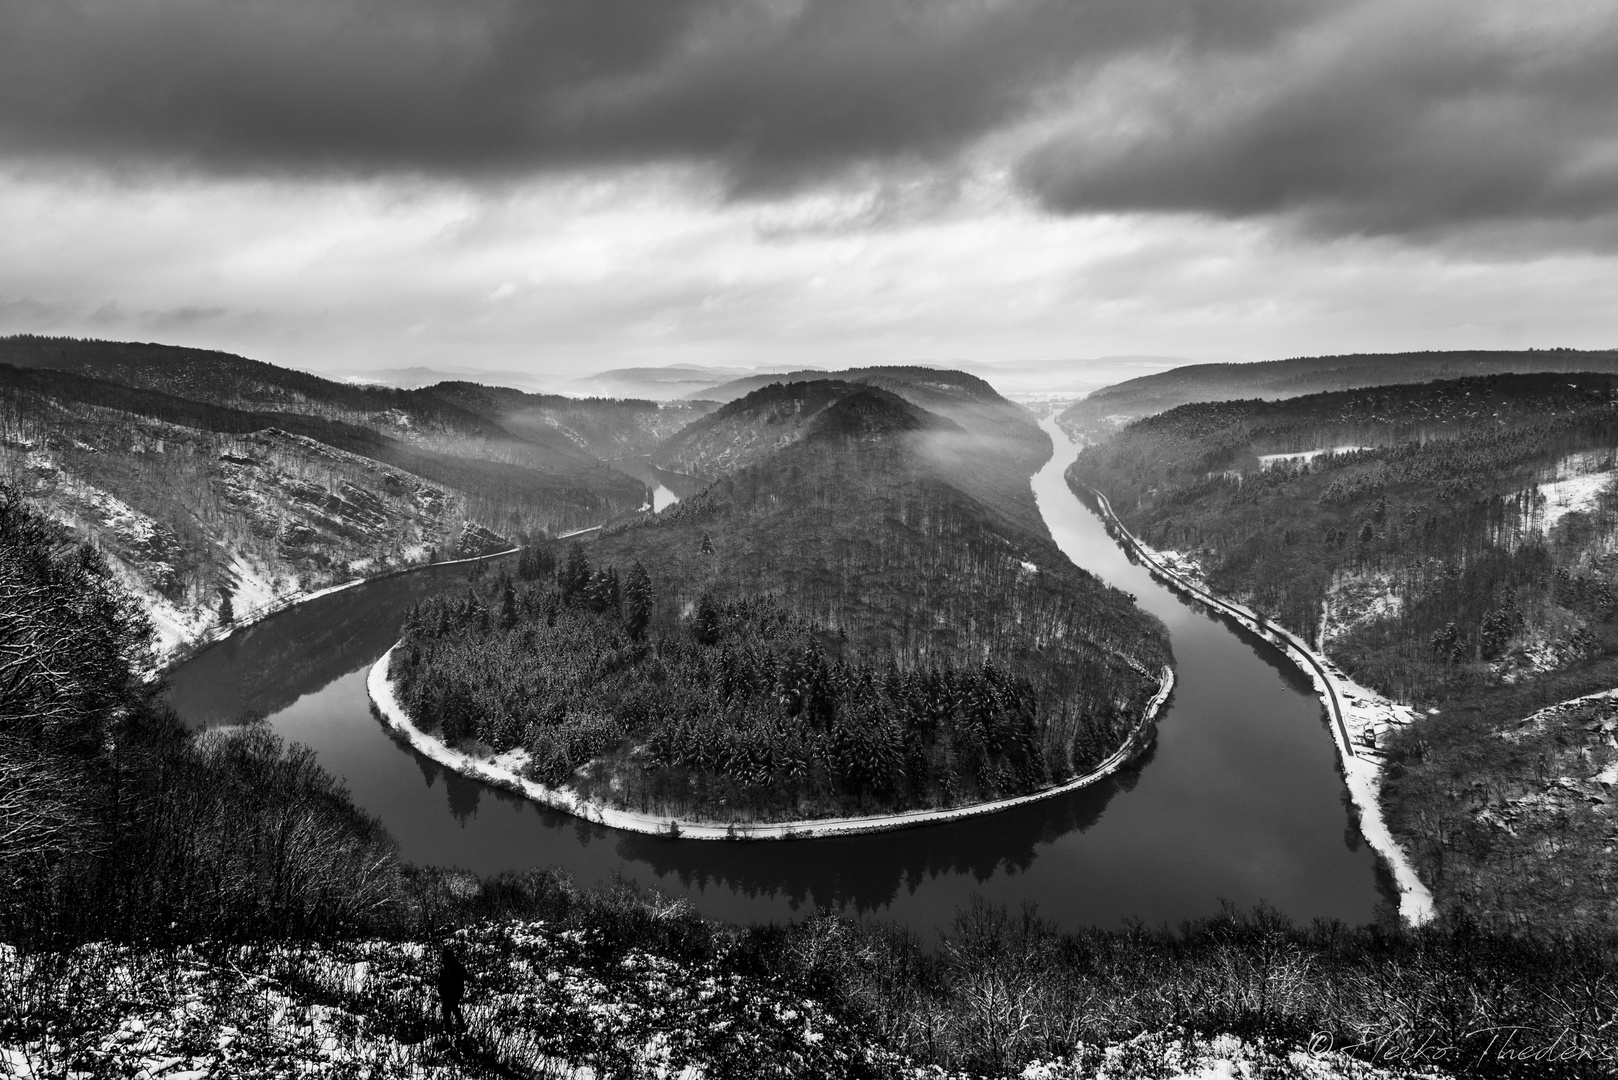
{"x":1268,"y":461}
{"x":253,"y":586}
{"x":173,"y":627}
{"x":91,"y":510}
{"x":101,"y":516}
{"x":1183,"y":565}
{"x":1574,"y":483}
{"x":1218,"y":1057}
{"x":1574,"y":494}
{"x":541,"y":1003}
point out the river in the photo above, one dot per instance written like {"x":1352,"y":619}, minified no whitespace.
{"x":1240,"y":799}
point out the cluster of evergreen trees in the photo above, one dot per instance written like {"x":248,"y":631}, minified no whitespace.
{"x":735,"y":707}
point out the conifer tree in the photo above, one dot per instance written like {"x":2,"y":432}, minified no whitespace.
{"x":637,"y":601}
{"x":705,"y":626}
{"x":574,"y":577}
{"x":508,"y":605}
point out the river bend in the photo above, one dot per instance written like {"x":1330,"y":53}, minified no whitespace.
{"x":1240,"y":799}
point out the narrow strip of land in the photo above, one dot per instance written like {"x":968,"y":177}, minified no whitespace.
{"x":386,"y":702}
{"x":1362,"y":771}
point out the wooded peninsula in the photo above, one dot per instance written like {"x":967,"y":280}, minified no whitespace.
{"x":869,"y":618}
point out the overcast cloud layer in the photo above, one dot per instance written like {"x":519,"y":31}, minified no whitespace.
{"x":1467,"y":135}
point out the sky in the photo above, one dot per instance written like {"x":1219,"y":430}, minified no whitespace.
{"x":566,"y":186}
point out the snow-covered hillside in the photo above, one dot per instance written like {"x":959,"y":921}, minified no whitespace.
{"x":186,"y":518}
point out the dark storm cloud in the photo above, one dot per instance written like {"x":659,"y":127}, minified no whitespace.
{"x":1404,"y":118}
{"x":777,"y":94}
{"x":1352,"y":115}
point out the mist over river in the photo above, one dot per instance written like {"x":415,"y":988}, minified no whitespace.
{"x":1239,"y":800}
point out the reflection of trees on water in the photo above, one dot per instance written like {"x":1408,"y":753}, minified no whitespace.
{"x":463,"y":796}
{"x":429,"y":768}
{"x":866,"y":873}
{"x":1289,"y":673}
{"x":862,"y":873}
{"x":271,"y":664}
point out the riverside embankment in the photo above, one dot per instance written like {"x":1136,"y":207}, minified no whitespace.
{"x":185,"y":649}
{"x":505,"y":773}
{"x":1344,"y":703}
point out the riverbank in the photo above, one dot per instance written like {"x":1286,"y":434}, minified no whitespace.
{"x":1355,"y":713}
{"x":506,"y":776}
{"x":168,"y":660}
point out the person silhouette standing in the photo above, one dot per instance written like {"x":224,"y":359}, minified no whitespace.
{"x":451,"y":988}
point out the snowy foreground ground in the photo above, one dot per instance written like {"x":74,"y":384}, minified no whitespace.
{"x":545,"y":1002}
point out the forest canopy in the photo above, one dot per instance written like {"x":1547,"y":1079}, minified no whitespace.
{"x":740,"y":704}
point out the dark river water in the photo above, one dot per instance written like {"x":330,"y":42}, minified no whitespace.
{"x":1239,"y":800}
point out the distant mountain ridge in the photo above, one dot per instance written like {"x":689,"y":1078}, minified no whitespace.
{"x":664,"y":383}
{"x":869,"y":413}
{"x":746,"y":428}
{"x":998,"y":444}
{"x":1110,"y":407}
{"x":886,"y":377}
{"x":450,"y":412}
{"x":956,"y":395}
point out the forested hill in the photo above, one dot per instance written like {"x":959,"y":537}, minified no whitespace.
{"x":744,"y":430}
{"x":777,"y":415}
{"x":215,"y":484}
{"x":998,"y":444}
{"x":1452,"y":545}
{"x":1109,"y":408}
{"x":954,"y":652}
{"x":955,"y":395}
{"x":858,"y":520}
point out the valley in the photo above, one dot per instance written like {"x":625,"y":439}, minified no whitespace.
{"x":1241,"y":762}
{"x":876,"y":601}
